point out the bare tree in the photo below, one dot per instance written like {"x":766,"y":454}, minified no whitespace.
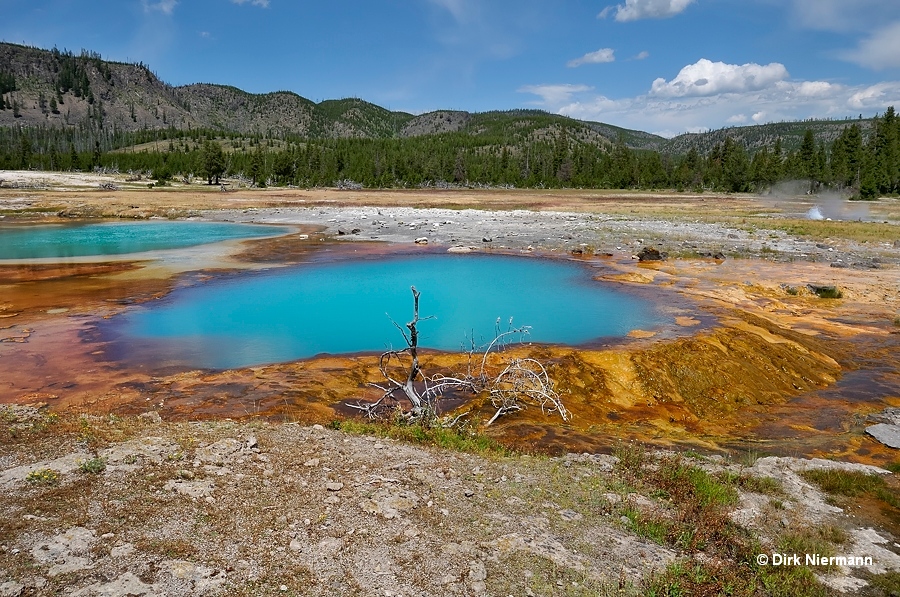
{"x":510,"y":384}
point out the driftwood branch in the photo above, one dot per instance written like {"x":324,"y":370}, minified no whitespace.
{"x":511,"y":386}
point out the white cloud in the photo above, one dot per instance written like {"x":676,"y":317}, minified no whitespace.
{"x":877,"y":97}
{"x":164,"y":6}
{"x":643,"y":55}
{"x":736,"y":102}
{"x":879,"y":51}
{"x":635,"y":10}
{"x":554,"y":95}
{"x":260,"y":3}
{"x":815,"y":88}
{"x":706,"y":78}
{"x":600,"y":56}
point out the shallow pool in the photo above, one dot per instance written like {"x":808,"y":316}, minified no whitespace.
{"x":347,"y":307}
{"x":60,"y":241}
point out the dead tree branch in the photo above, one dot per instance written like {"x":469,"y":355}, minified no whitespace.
{"x":511,"y":386}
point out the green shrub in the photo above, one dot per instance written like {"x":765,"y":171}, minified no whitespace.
{"x":93,"y":466}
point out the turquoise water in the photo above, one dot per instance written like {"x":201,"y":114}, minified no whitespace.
{"x":117,"y":238}
{"x":348,"y":307}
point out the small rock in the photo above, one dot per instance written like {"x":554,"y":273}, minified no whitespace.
{"x":487,"y":240}
{"x":891,"y":416}
{"x":422,"y":240}
{"x":477,"y":571}
{"x":318,"y":427}
{"x":824,"y":290}
{"x":220,"y":452}
{"x":11,"y":589}
{"x":650,"y":254}
{"x":252,"y":442}
{"x":151,"y":417}
{"x":887,"y":434}
{"x":334,"y":486}
{"x":311,"y":462}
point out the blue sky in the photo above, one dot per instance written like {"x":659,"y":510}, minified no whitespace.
{"x":664,"y":66}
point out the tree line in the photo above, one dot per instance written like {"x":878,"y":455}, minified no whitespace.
{"x":867,"y":164}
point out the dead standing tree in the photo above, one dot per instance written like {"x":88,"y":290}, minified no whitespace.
{"x":511,"y":386}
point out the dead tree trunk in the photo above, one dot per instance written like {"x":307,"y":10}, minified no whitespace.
{"x":518,"y":382}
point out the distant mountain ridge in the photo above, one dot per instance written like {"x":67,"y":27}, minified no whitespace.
{"x":60,"y":89}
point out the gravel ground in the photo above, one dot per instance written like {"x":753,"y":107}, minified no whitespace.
{"x":224,"y":508}
{"x":562,"y":232}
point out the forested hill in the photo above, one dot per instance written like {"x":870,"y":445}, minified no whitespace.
{"x":60,"y":89}
{"x":96,"y":99}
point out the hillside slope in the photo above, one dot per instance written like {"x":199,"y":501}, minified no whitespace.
{"x":83,"y":92}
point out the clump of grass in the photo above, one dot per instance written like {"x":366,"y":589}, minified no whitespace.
{"x":894,"y":467}
{"x":649,"y":527}
{"x":763,"y":485}
{"x":841,"y":482}
{"x":819,"y":540}
{"x":632,"y":458}
{"x":173,"y":548}
{"x":687,"y":482}
{"x":888,"y":583}
{"x":852,"y":484}
{"x":43,"y":476}
{"x":92,"y":466}
{"x":696,"y":578}
{"x":700,"y":501}
{"x":824,"y":229}
{"x":792,"y":581}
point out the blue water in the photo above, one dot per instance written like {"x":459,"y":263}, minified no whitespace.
{"x":348,"y":307}
{"x":117,"y":238}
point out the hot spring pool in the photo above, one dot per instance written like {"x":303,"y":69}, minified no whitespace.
{"x":348,"y":306}
{"x":60,"y":241}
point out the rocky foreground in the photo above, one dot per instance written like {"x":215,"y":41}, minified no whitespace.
{"x":94,"y":506}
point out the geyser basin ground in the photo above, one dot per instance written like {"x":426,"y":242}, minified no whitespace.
{"x":61,"y":241}
{"x":348,"y":307}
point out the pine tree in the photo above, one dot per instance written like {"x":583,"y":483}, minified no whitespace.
{"x":212,"y":161}
{"x":807,"y":155}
